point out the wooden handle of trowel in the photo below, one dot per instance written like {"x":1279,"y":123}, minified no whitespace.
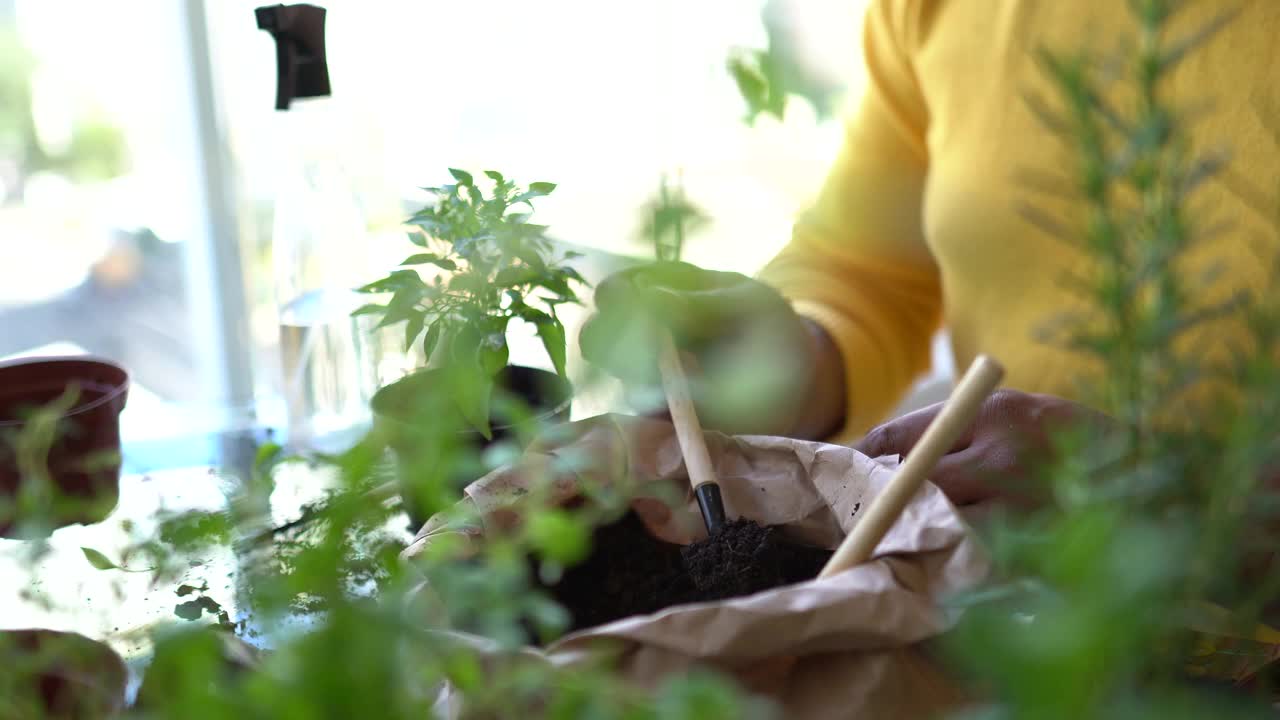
{"x":683,"y":415}
{"x":957,"y":413}
{"x":702,"y":475}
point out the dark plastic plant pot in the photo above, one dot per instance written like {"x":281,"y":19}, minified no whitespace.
{"x":63,"y":675}
{"x":435,"y":452}
{"x":84,"y":457}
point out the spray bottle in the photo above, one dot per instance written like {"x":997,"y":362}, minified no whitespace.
{"x":319,"y":240}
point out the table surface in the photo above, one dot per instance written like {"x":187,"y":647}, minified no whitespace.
{"x":61,"y":590}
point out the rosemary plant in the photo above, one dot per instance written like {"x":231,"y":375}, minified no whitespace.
{"x":1111,"y":602}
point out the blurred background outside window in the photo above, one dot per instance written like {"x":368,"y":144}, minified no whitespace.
{"x":108,"y":232}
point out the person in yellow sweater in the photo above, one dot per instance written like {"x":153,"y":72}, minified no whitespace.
{"x":918,"y":228}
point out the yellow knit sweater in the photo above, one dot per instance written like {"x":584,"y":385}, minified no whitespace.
{"x":918,"y":225}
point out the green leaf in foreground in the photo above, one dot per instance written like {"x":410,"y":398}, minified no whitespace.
{"x":420,"y":259}
{"x":412,"y":330}
{"x":551,"y":331}
{"x":372,"y":309}
{"x":268,"y":456}
{"x":432,"y":337}
{"x":561,"y":538}
{"x":472,"y":390}
{"x":472,"y":386}
{"x":493,"y":354}
{"x":98,"y":560}
{"x":102,"y":562}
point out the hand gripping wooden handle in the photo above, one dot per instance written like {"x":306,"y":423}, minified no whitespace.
{"x":956,"y":415}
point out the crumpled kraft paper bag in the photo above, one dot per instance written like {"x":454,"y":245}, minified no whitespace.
{"x":846,"y":646}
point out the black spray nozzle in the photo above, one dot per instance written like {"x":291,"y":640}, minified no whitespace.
{"x":301,"y":70}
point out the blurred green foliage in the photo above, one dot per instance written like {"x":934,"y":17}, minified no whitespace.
{"x":352,"y":631}
{"x":17,"y":129}
{"x":97,"y":150}
{"x":760,"y":83}
{"x":1159,"y":520}
{"x":769,"y":78}
{"x":668,"y":219}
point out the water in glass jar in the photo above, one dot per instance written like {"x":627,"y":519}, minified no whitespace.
{"x":330,"y":362}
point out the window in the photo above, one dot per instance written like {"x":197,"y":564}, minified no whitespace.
{"x":109,"y":233}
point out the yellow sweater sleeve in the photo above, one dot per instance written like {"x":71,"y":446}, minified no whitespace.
{"x":857,"y":263}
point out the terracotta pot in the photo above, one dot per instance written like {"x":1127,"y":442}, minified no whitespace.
{"x":63,"y":675}
{"x":429,"y":438}
{"x":84,"y":459}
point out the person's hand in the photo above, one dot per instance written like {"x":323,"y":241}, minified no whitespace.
{"x":992,"y":460}
{"x":754,"y":360}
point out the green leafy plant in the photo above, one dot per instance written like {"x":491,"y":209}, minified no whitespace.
{"x":349,"y":632}
{"x":497,"y":266}
{"x":1110,"y":602}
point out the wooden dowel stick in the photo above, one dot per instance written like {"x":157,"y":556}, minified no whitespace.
{"x":688,"y":430}
{"x":957,"y":413}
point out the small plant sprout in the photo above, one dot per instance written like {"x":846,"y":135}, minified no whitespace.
{"x":669,"y":219}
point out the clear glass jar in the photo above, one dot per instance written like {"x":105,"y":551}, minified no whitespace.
{"x":320,"y":243}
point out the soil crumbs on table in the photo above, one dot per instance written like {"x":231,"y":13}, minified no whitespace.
{"x":630,"y":572}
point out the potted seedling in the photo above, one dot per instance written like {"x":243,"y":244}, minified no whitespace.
{"x":489,"y":266}
{"x":59,"y":441}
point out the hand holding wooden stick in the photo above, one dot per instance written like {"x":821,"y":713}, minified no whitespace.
{"x":957,"y":413}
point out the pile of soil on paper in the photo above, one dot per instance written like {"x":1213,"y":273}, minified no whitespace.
{"x":630,"y":572}
{"x":744,"y":557}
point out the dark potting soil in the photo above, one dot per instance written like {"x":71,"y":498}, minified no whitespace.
{"x":744,"y":557}
{"x":630,"y":572}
